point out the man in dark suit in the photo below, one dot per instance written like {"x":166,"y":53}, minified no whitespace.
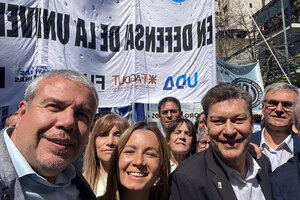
{"x":226,"y":170}
{"x":286,"y":178}
{"x":52,"y":130}
{"x":277,"y":138}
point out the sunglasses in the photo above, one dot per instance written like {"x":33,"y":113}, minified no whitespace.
{"x":272,"y":104}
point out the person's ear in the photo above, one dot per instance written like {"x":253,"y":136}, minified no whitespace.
{"x":205,"y":125}
{"x":159,"y":117}
{"x":252,"y":123}
{"x":22,"y":109}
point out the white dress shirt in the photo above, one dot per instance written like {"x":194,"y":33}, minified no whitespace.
{"x":247,"y":188}
{"x":281,"y":154}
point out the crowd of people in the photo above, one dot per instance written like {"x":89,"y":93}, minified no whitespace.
{"x":57,"y":147}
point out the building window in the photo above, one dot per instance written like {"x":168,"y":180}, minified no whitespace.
{"x":250,"y":5}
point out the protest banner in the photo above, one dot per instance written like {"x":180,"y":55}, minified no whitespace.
{"x":132,"y":50}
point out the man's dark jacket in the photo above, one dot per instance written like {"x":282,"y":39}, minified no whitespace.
{"x":203,"y":177}
{"x":286,"y":180}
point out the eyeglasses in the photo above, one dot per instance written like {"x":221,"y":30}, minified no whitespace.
{"x":204,"y":143}
{"x":272,"y":104}
{"x":172,"y":111}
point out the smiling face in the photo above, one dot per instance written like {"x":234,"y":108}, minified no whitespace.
{"x":229,"y":126}
{"x":181,"y":140}
{"x":105,"y":144}
{"x":53,"y":130}
{"x":139,"y":162}
{"x":278,"y":117}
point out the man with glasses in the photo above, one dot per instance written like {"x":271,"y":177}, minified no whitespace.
{"x":203,"y":142}
{"x":285,"y":179}
{"x":277,"y":138}
{"x":169,"y":110}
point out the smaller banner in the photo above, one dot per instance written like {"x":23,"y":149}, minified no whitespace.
{"x":247,"y":76}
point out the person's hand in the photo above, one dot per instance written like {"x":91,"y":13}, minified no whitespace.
{"x":255,"y":150}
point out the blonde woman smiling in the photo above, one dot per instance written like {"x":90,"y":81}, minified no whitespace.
{"x":139,"y":166}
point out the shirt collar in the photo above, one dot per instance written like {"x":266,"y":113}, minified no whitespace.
{"x":24,"y":169}
{"x":21,"y":165}
{"x":253,"y":168}
{"x":287,"y":143}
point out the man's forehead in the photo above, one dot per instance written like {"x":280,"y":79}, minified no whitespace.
{"x":58,"y":80}
{"x":285,"y":93}
{"x":59,"y":84}
{"x":242,"y":104}
{"x":169,"y":104}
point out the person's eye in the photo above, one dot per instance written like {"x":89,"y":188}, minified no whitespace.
{"x":152,"y":154}
{"x":53,"y":107}
{"x":287,"y":104}
{"x":188,"y":133}
{"x":128,"y":152}
{"x":273,"y":103}
{"x":240,"y":120}
{"x":164,"y":112}
{"x":117,"y":134}
{"x":173,"y":111}
{"x":103,"y":134}
{"x":82,"y":115}
{"x":217,"y":121}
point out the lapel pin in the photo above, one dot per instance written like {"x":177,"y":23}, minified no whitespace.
{"x":220,"y":185}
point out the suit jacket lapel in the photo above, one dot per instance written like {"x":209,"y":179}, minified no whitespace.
{"x":84,"y":188}
{"x":296,"y":142}
{"x":10,"y":185}
{"x":219,"y":178}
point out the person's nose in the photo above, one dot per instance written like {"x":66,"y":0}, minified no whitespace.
{"x":182,"y":135}
{"x":169,"y":115}
{"x":111,"y":140}
{"x":138,"y":159}
{"x":229,"y":128}
{"x":279,"y":107}
{"x":66,"y":119}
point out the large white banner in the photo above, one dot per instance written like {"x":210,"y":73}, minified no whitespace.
{"x":132,"y":50}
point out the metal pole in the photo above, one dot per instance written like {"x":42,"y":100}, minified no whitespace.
{"x":285,"y":40}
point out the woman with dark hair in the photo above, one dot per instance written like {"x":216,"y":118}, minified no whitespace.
{"x":105,"y":135}
{"x":181,"y":137}
{"x":140,"y":165}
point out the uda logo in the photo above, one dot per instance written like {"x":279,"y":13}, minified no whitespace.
{"x":179,"y":1}
{"x":181,"y":82}
{"x":252,"y":87}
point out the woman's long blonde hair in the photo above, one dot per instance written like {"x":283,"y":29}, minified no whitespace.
{"x":91,"y":165}
{"x":160,"y":190}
